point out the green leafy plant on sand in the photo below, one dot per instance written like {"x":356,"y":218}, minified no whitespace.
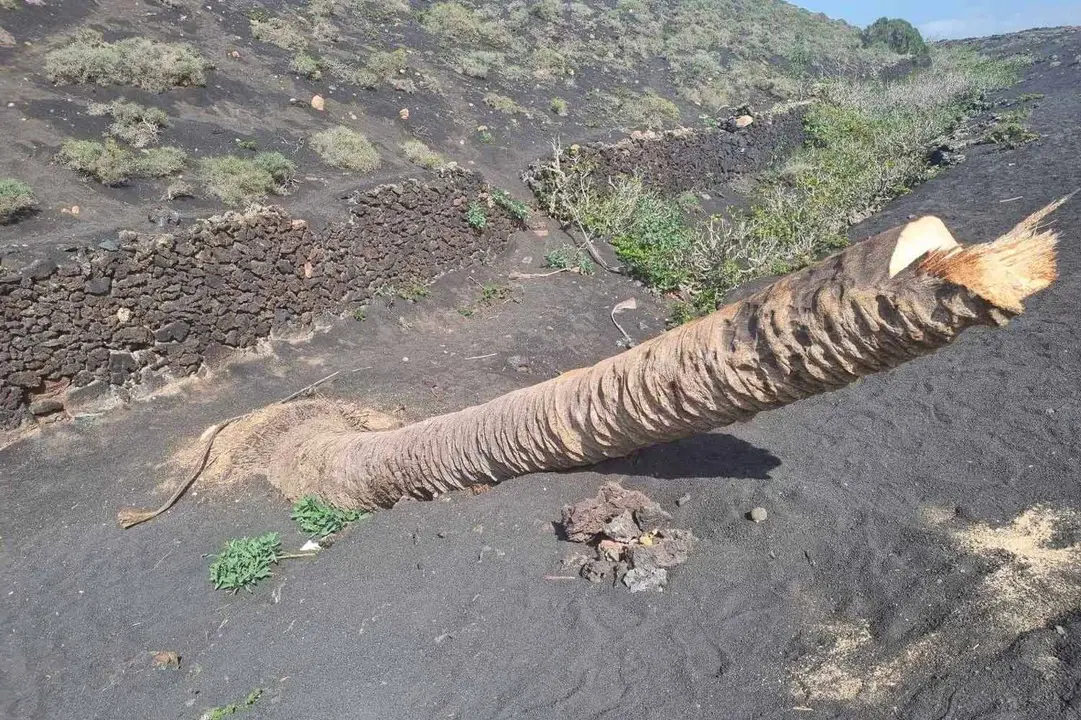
{"x":518,"y":209}
{"x":315,"y":517}
{"x":570,"y":257}
{"x":494,"y":292}
{"x":148,"y":64}
{"x":113,"y":164}
{"x":219,"y":713}
{"x":1010,"y":130}
{"x":16,"y":199}
{"x":347,"y":149}
{"x":237,"y":180}
{"x":559,"y":106}
{"x":476,"y":217}
{"x":133,"y":123}
{"x":245,"y":562}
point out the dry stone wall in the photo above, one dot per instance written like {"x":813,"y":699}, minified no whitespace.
{"x":140,"y":305}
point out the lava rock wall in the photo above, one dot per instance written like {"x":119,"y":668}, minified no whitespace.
{"x":111,"y":315}
{"x":683,"y":160}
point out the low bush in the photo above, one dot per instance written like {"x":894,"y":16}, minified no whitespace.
{"x":306,"y":65}
{"x":560,"y":107}
{"x":143,"y":63}
{"x":1010,"y":130}
{"x":569,"y":256}
{"x":236,"y":180}
{"x":457,"y":24}
{"x":344,"y":148}
{"x":420,"y":154}
{"x":133,"y":123}
{"x":479,"y":63}
{"x":279,"y":32}
{"x":517,"y":209}
{"x":380,"y":67}
{"x":16,"y":199}
{"x":649,"y":110}
{"x":113,"y":164}
{"x":503,"y":104}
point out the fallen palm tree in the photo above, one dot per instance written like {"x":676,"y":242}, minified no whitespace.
{"x":899,"y":295}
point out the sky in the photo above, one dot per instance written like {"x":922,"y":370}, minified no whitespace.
{"x":943,"y":19}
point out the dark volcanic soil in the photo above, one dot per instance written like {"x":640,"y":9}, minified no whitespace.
{"x":920,"y":559}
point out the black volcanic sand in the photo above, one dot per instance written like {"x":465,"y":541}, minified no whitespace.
{"x":920,"y":559}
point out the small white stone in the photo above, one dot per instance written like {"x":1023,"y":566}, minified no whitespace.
{"x":759,"y":514}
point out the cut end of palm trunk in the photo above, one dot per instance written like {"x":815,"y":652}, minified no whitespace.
{"x":1004,"y":272}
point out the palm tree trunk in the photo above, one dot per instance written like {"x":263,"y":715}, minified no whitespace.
{"x":877,"y":304}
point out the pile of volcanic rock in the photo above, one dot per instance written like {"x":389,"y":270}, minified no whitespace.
{"x":632,"y":541}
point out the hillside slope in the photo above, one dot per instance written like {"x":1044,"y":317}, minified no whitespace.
{"x":483,"y":84}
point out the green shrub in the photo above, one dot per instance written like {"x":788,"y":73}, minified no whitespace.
{"x":518,"y":209}
{"x":159,"y":162}
{"x":280,"y":32}
{"x":16,"y":199}
{"x":380,"y":67}
{"x":549,"y":63}
{"x":344,"y":148}
{"x":503,"y":104}
{"x":139,"y":62}
{"x":133,"y":123}
{"x":569,"y":256}
{"x":479,"y":63}
{"x":455,"y":23}
{"x":306,"y":65}
{"x":476,"y":216}
{"x":315,"y":517}
{"x":113,"y":164}
{"x":1010,"y":131}
{"x":420,"y":154}
{"x":236,"y":180}
{"x":898,"y":35}
{"x":649,"y":110}
{"x":560,"y":107}
{"x":493,"y":292}
{"x":245,"y":562}
{"x":655,"y":244}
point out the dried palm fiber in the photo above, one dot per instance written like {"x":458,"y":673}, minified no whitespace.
{"x":899,"y":295}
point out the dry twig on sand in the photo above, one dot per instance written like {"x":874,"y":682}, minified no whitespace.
{"x":130,"y":517}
